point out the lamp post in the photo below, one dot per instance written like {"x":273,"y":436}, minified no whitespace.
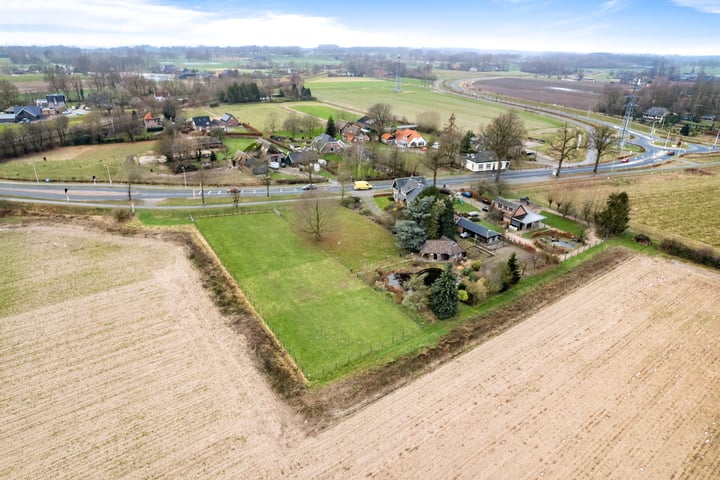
{"x":37,"y":180}
{"x":108,"y":172}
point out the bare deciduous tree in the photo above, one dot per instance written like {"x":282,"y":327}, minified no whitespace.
{"x":235,"y":194}
{"x":563,"y":145}
{"x":501,"y":135}
{"x":602,"y":138}
{"x":435,"y":160}
{"x":382,"y":116}
{"x":315,"y":215}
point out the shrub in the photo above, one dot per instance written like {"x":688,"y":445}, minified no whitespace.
{"x":463,"y":296}
{"x":122,"y":215}
{"x":703,"y":256}
{"x":642,"y":239}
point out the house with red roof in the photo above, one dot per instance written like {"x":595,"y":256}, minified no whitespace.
{"x":151,"y":121}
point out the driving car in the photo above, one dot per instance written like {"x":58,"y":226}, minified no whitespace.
{"x":309,"y":186}
{"x":362,"y":185}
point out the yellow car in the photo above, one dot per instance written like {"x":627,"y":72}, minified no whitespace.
{"x":362,"y":185}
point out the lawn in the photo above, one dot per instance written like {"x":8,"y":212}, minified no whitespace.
{"x":324,"y":112}
{"x":77,"y":163}
{"x":320,"y":311}
{"x":563,"y":224}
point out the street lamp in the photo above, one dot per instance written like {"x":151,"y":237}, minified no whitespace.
{"x":37,"y":180}
{"x":108,"y":172}
{"x":184,"y":176}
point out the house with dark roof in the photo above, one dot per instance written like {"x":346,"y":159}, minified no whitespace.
{"x":405,"y":189}
{"x":484,"y":161}
{"x":351,"y":133}
{"x":655,"y":113}
{"x":301,"y":157}
{"x":516,"y":215}
{"x":476,"y":231}
{"x":324,"y":143}
{"x":365,"y":123}
{"x":442,"y":250}
{"x":27,"y":113}
{"x":201,"y":123}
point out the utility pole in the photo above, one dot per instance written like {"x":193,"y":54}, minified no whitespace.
{"x":397,"y":75}
{"x":627,"y":118}
{"x":37,"y":180}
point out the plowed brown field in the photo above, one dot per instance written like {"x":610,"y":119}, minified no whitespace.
{"x":126,"y":370}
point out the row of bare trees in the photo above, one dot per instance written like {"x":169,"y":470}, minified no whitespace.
{"x":45,"y":135}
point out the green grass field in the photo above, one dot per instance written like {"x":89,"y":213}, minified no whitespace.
{"x":323,"y":315}
{"x":323,"y":112}
{"x":564,"y":224}
{"x":76,"y":163}
{"x":359,"y":94}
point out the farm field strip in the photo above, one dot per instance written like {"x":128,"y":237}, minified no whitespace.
{"x":138,"y":379}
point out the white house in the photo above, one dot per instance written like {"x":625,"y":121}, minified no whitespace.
{"x":484,"y":161}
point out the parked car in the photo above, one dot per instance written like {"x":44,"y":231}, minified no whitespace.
{"x":309,"y":186}
{"x":464,"y":234}
{"x":466,"y":194}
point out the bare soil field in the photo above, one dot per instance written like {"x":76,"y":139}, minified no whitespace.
{"x":572,"y":94}
{"x":115,"y":363}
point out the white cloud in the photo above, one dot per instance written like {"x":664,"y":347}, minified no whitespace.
{"x":613,"y":6}
{"x":705,"y":6}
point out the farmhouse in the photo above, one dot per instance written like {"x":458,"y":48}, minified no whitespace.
{"x":352,"y":133}
{"x":517,"y":216}
{"x":27,"y":113}
{"x":201,"y":123}
{"x":442,"y":250}
{"x":228,"y":120}
{"x":655,"y":113}
{"x":324,"y":143}
{"x":484,"y":161}
{"x":407,"y":188}
{"x":408,"y":138}
{"x":476,"y":231}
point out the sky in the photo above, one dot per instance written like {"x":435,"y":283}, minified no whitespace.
{"x":662,"y":27}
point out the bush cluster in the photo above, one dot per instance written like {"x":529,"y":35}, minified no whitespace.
{"x":703,"y":256}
